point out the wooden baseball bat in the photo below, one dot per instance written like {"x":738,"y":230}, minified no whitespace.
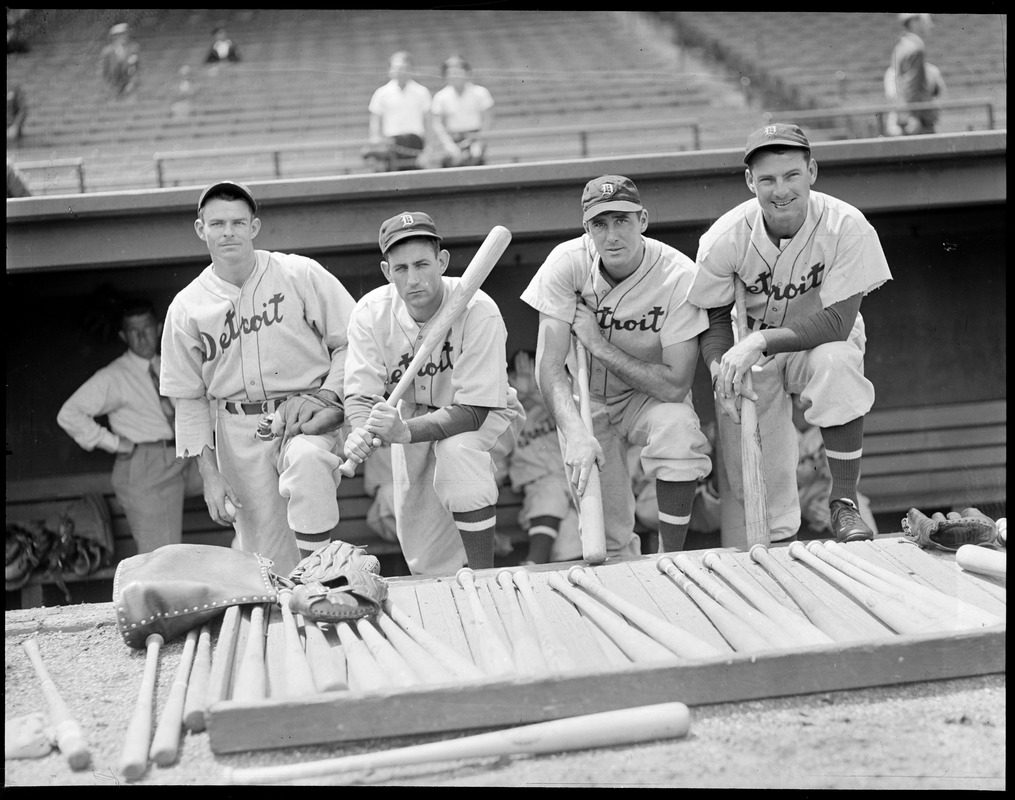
{"x":482,"y":264}
{"x":396,"y":667}
{"x":134,"y":759}
{"x":590,"y":504}
{"x":839,"y":628}
{"x":196,"y":705}
{"x":69,"y":738}
{"x":897,"y":615}
{"x":741,"y":636}
{"x":635,"y":644}
{"x":529,"y":658}
{"x":755,"y":493}
{"x":982,"y":560}
{"x":221,"y":674}
{"x":673,"y":637}
{"x":444,"y":654}
{"x":166,"y":742}
{"x":944,"y":604}
{"x":917,"y":608}
{"x":802,"y":629}
{"x":251,"y":681}
{"x":557,"y":659}
{"x":496,"y":657}
{"x":425,"y":665}
{"x":299,"y":679}
{"x":328,"y":677}
{"x":604,"y":729}
{"x":734,"y":603}
{"x":365,"y":674}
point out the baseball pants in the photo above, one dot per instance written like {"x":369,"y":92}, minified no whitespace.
{"x":150,"y":485}
{"x":433,"y":480}
{"x":673,"y":449}
{"x":831,"y":385}
{"x":284,"y":485}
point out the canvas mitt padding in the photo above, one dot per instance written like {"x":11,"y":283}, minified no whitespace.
{"x":180,"y":586}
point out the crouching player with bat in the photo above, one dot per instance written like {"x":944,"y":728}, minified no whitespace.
{"x":807,"y":260}
{"x":624,"y":296}
{"x":447,"y":339}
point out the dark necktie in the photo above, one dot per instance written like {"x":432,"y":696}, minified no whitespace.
{"x":167,"y":406}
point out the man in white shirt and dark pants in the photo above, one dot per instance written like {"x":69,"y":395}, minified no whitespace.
{"x":149,"y":481}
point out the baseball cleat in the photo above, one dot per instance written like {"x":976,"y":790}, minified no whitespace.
{"x":847,"y":525}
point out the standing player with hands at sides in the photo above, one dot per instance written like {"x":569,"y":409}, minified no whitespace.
{"x":258,"y":333}
{"x":624,"y":296}
{"x":442,"y":432}
{"x":807,"y":259}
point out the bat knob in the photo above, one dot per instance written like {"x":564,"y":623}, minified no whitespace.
{"x":463,"y":575}
{"x":573,"y":570}
{"x":755,"y":547}
{"x":708,"y":559}
{"x":814,"y":546}
{"x":663,"y":563}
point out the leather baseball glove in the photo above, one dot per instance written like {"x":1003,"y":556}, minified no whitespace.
{"x":337,"y":581}
{"x":306,"y":412}
{"x":949,"y":532}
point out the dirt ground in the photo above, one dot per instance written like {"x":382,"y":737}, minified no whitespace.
{"x":947,"y":734}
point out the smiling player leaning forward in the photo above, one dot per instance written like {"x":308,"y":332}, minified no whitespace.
{"x":807,"y":260}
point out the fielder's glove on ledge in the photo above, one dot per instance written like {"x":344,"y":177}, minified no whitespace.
{"x":336,"y":582}
{"x":949,"y":532}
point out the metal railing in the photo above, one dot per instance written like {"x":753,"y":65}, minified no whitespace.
{"x":583,"y":133}
{"x":879,"y":112}
{"x":76,"y":164}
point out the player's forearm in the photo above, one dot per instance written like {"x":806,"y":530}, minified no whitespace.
{"x":831,"y":324}
{"x":656,"y":380}
{"x":559,"y":399}
{"x":84,"y":430}
{"x":442,"y":423}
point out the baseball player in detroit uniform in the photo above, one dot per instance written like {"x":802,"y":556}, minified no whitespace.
{"x":460,"y":403}
{"x":254,"y":328}
{"x":807,"y":260}
{"x":624,"y":296}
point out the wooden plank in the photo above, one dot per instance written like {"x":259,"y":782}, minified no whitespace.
{"x":340,"y":717}
{"x":936,"y":416}
{"x":933,"y":439}
{"x":934,"y":460}
{"x":974,"y":482}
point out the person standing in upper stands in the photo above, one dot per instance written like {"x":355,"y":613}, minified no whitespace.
{"x":399,"y":119}
{"x":148,"y":479}
{"x":911,"y":79}
{"x":462,"y":115}
{"x":119,"y":61}
{"x":222,"y":48}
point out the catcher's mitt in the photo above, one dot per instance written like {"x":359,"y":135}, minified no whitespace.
{"x":353,"y":594}
{"x":297,"y":411}
{"x":949,"y":532}
{"x":332,"y":561}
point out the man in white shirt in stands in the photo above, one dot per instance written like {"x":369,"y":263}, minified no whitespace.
{"x":399,"y":118}
{"x":462,"y":115}
{"x":149,"y":481}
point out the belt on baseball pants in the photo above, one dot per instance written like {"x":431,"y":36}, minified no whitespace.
{"x":158,"y":443}
{"x":266,"y":407}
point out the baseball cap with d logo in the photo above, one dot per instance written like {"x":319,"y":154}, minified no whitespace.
{"x":609,"y":193}
{"x":780,"y":134}
{"x":404,"y":225}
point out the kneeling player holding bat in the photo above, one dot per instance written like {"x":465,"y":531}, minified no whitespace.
{"x":624,"y":296}
{"x":456,"y":402}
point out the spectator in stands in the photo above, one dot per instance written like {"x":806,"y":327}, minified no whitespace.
{"x":17,"y":42}
{"x":16,"y":184}
{"x":222,"y":48}
{"x":17,"y":110}
{"x":462,"y":115}
{"x":119,"y":62}
{"x":911,"y":79}
{"x":149,"y":481}
{"x":399,"y":119}
{"x":536,"y":470}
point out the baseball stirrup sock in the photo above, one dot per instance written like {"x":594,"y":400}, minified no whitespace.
{"x":675,"y":499}
{"x":843,"y":448}
{"x":542,"y":533}
{"x":309,"y":542}
{"x":477,"y":529}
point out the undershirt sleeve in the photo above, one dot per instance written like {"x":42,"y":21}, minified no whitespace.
{"x":831,"y":324}
{"x":446,"y":421}
{"x":715,"y":341}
